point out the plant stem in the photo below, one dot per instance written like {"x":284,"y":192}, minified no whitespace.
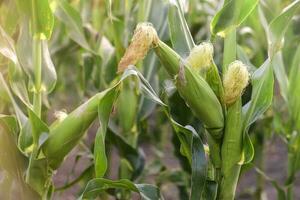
{"x":229,"y":49}
{"x":290,"y":192}
{"x":37,"y":62}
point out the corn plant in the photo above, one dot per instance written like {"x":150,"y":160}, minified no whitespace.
{"x":121,"y":66}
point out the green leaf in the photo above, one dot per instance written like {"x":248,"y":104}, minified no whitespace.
{"x":42,"y":19}
{"x":22,"y":118}
{"x":199,"y":167}
{"x":248,"y":150}
{"x":181,"y":37}
{"x":29,"y":137}
{"x":72,"y":20}
{"x":7,"y":48}
{"x":16,"y":75}
{"x":13,"y":166}
{"x":210,"y":192}
{"x":104,"y":110}
{"x":38,"y":176}
{"x":281,"y":75}
{"x":278,"y":27}
{"x":262,"y":81}
{"x":98,"y":185}
{"x":135,"y":158}
{"x":294,"y":88}
{"x":24,"y":53}
{"x":9,"y":123}
{"x":232,"y":14}
{"x":38,"y":127}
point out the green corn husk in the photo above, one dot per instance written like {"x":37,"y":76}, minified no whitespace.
{"x":214,"y":80}
{"x":198,"y":95}
{"x":231,"y":151}
{"x":194,"y":89}
{"x":65,"y":135}
{"x":169,"y":58}
{"x":127,"y":105}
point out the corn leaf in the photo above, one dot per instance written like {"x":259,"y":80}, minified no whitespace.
{"x":22,"y":118}
{"x":191,"y":144}
{"x":72,"y":20}
{"x":16,"y":76}
{"x":7,"y":46}
{"x":134,"y":157}
{"x":262,"y":81}
{"x":232,"y":14}
{"x":278,"y":27}
{"x":181,"y":37}
{"x":13,"y":166}
{"x":98,"y":185}
{"x":10,"y":123}
{"x":199,"y":166}
{"x":210,"y":191}
{"x":150,"y":63}
{"x":42,"y":19}
{"x":104,"y":110}
{"x":281,"y":75}
{"x":294,"y":88}
{"x":24,"y":53}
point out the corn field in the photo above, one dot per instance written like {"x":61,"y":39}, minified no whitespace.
{"x":150,"y":99}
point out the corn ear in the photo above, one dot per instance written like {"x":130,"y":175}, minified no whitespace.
{"x":201,"y":56}
{"x":168,"y":57}
{"x":65,"y":135}
{"x":201,"y":99}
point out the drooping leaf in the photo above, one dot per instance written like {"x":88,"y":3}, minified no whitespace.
{"x":104,"y":110}
{"x":98,"y":185}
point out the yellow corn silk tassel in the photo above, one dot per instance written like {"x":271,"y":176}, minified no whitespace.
{"x":201,"y":57}
{"x":235,"y":81}
{"x":143,"y":39}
